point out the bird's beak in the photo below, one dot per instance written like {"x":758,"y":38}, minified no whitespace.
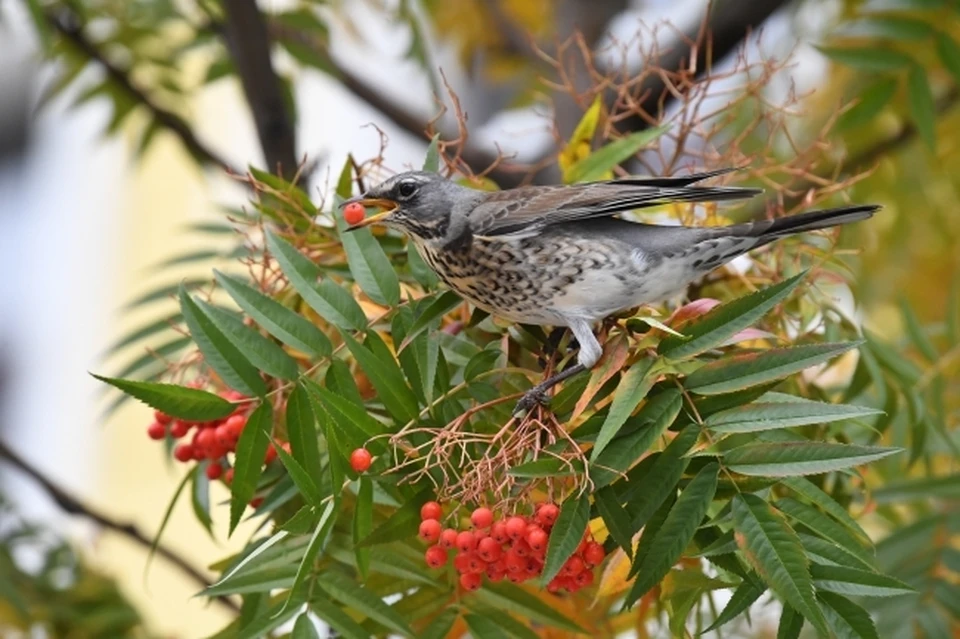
{"x":388,"y":206}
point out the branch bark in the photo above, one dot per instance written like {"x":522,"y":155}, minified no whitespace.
{"x":247,"y":40}
{"x":73,"y":506}
{"x":68,"y":24}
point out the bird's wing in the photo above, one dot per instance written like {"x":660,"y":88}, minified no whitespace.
{"x":527,"y":210}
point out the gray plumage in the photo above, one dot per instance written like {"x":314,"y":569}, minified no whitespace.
{"x":555,"y":255}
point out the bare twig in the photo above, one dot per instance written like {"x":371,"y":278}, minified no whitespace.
{"x":71,"y":505}
{"x":68,"y":24}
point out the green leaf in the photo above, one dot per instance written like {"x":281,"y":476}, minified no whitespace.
{"x":439,"y":307}
{"x":431,"y":162}
{"x":715,"y":327}
{"x":791,"y":623}
{"x":304,"y":480}
{"x":870,"y":104}
{"x":291,"y":329}
{"x":676,"y":532}
{"x":741,"y":600}
{"x":615,"y":518}
{"x":402,"y":524}
{"x":632,"y":388}
{"x":354,"y":425}
{"x":200,"y":495}
{"x":363,"y":523}
{"x":337,"y":619}
{"x":546,"y":467}
{"x":387,"y":378}
{"x":917,"y":333}
{"x":751,"y":369}
{"x":785,"y":459}
{"x":847,"y":619}
{"x":857,"y":583}
{"x":922,"y":107}
{"x":331,"y":302}
{"x":440,"y":627}
{"x":248,"y":461}
{"x":596,"y":165}
{"x":483,"y":626}
{"x":419,"y":269}
{"x":919,"y":488}
{"x":774,"y":551}
{"x":302,"y":430}
{"x":827,"y":528}
{"x":262,"y":352}
{"x":362,"y":600}
{"x":806,"y":488}
{"x":317,"y":542}
{"x":514,"y":599}
{"x":566,"y":535}
{"x":369,"y":265}
{"x":645,"y":427}
{"x":218,"y":352}
{"x":166,"y":519}
{"x":663,"y":477}
{"x":868,"y":58}
{"x":178,"y":401}
{"x":949,"y":52}
{"x":303,"y":628}
{"x":761,"y":416}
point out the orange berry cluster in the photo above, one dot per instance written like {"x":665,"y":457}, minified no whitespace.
{"x":211,"y":440}
{"x":511,"y":548}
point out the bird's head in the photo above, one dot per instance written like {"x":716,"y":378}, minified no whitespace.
{"x":416,"y":202}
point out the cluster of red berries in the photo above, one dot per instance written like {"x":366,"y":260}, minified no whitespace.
{"x":211,"y":440}
{"x":512,"y":548}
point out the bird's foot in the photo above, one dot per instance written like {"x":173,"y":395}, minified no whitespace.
{"x":536,"y":396}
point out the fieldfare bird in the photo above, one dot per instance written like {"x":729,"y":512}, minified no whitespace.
{"x":557,"y":256}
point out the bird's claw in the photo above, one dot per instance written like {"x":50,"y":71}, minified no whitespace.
{"x":533,"y":397}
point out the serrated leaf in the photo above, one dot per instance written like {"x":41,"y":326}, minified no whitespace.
{"x":302,"y":430}
{"x":317,"y":542}
{"x":362,"y":600}
{"x":774,"y":551}
{"x":949,"y":52}
{"x":868,"y":58}
{"x":806,"y":488}
{"x":337,"y":619}
{"x":387,"y":378}
{"x":354,"y":425}
{"x":331,"y":302}
{"x":715,"y":327}
{"x":513,"y":599}
{"x":615,"y":518}
{"x":369,"y":265}
{"x":566,"y":534}
{"x":923,"y":110}
{"x":676,"y":532}
{"x":290,"y":328}
{"x":741,"y":600}
{"x":632,"y":388}
{"x":363,"y":523}
{"x":646,"y":426}
{"x":847,"y":619}
{"x":178,"y":401}
{"x":262,"y":353}
{"x":761,"y":416}
{"x":791,"y":623}
{"x":166,"y":519}
{"x":857,"y":583}
{"x":662,"y":479}
{"x":870,"y":104}
{"x":596,"y":165}
{"x":248,"y":461}
{"x":402,"y":524}
{"x":218,"y":352}
{"x":435,"y":310}
{"x":200,"y":496}
{"x":304,"y":480}
{"x":785,"y":459}
{"x":826,"y":527}
{"x":751,"y":369}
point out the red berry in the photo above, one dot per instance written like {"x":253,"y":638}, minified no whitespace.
{"x":234,"y":425}
{"x":495,"y":575}
{"x":471,"y":581}
{"x":584,"y":578}
{"x":255,"y":502}
{"x":488,"y":549}
{"x":206,"y":439}
{"x":481,"y":518}
{"x":161,"y":417}
{"x":466,"y":541}
{"x":354,"y":213}
{"x":360,"y":460}
{"x":516,"y":527}
{"x":593,"y":554}
{"x":547,"y":514}
{"x":537,"y":538}
{"x":431,"y":510}
{"x":214,"y":470}
{"x":474,"y":563}
{"x":183,"y":452}
{"x":156,"y":430}
{"x":430,"y":530}
{"x":228,"y":476}
{"x":270,"y":455}
{"x":435,"y":556}
{"x":499,"y":532}
{"x":554,"y":585}
{"x":179,"y":428}
{"x":573,"y":567}
{"x":522,"y":548}
{"x":224,"y":437}
{"x":514,"y":562}
{"x":517,"y":577}
{"x":448,"y":538}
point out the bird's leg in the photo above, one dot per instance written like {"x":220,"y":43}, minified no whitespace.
{"x":590,"y":352}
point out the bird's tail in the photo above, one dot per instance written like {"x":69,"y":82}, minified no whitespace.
{"x":770,"y":230}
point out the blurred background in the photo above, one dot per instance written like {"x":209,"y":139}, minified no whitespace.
{"x":120,"y":120}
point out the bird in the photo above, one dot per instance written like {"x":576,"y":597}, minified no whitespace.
{"x":557,"y":255}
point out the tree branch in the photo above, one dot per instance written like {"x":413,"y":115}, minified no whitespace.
{"x":249,"y":44}
{"x":67,"y":23}
{"x":71,"y":505}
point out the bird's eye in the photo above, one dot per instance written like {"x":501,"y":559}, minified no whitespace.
{"x":407,"y":189}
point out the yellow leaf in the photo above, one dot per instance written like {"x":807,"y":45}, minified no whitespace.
{"x":578,"y":147}
{"x":613,"y":581}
